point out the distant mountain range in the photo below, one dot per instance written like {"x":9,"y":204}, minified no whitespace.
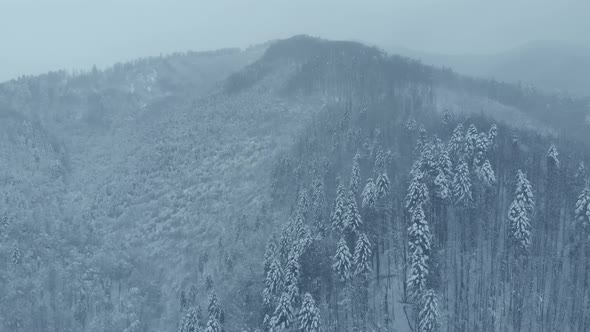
{"x":550,"y":65}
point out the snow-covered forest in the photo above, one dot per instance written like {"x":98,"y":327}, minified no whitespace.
{"x":299,"y":185}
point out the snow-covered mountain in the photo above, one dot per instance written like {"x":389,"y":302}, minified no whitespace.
{"x":129,"y":196}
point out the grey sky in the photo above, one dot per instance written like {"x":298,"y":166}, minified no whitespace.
{"x":37,"y":35}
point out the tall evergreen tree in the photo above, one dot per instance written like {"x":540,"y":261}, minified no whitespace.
{"x":342,"y":261}
{"x":273,"y":282}
{"x":419,"y":247}
{"x":552,"y":157}
{"x":456,"y":142}
{"x":355,"y":177}
{"x":462,"y":184}
{"x":362,"y":255}
{"x":213,"y":308}
{"x":486,"y":174}
{"x":417,"y":191}
{"x":338,"y":215}
{"x":283,"y":315}
{"x":309,"y":315}
{"x":319,"y":204}
{"x":190,"y":322}
{"x":492,"y":134}
{"x":369,"y":194}
{"x":582,"y":216}
{"x":352,"y":217}
{"x":524,"y":192}
{"x":470,"y":141}
{"x":519,"y":213}
{"x":382,"y":186}
{"x":428,"y":315}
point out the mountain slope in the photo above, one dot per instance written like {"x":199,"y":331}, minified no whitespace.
{"x":131,"y":194}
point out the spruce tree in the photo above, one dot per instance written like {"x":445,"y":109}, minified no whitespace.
{"x":309,"y":315}
{"x":190,"y":322}
{"x":273,"y":281}
{"x":428,"y":315}
{"x":486,"y":174}
{"x":213,"y":308}
{"x":369,"y":195}
{"x":462,"y":185}
{"x":492,"y":134}
{"x":382,"y":186}
{"x":456,"y":142}
{"x":342,"y":261}
{"x":292,"y":276}
{"x":338,"y":221}
{"x":417,"y":191}
{"x":283,"y":315}
{"x":355,"y":177}
{"x":470,"y":141}
{"x":582,"y":216}
{"x":352,"y":217}
{"x":319,"y":204}
{"x":524,"y":192}
{"x":552,"y":157}
{"x":303,"y":203}
{"x":362,"y":255}
{"x":213,"y":325}
{"x":419,"y":247}
{"x":519,"y":213}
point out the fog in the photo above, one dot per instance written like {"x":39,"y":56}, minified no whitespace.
{"x":38,"y":36}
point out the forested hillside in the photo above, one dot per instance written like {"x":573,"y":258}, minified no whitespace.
{"x":302,"y":185}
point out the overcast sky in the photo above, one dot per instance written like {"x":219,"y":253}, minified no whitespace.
{"x":37,"y":35}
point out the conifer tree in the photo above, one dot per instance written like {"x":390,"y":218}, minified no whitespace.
{"x":213,"y":308}
{"x":355,"y":178}
{"x":519,"y":213}
{"x":524,"y":192}
{"x":190,"y":322}
{"x":309,"y":315}
{"x":273,"y":281}
{"x":470,"y":141}
{"x":486,"y":174}
{"x":552,"y":157}
{"x":292,"y":275}
{"x":283,"y":315}
{"x":338,"y":221}
{"x":16,"y":255}
{"x":362,"y":255}
{"x":369,"y":195}
{"x":213,"y":325}
{"x":456,"y":142}
{"x":417,"y":191}
{"x":270,"y":252}
{"x":480,"y":151}
{"x":419,"y":247}
{"x":462,"y":184}
{"x":382,"y":186}
{"x":582,"y":216}
{"x":352,"y":217}
{"x":442,"y":180}
{"x":492,"y":134}
{"x":303,"y":203}
{"x":428,"y":315}
{"x":342,"y":261}
{"x":319,"y":204}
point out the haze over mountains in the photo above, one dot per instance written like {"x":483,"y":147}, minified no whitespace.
{"x":557,"y":67}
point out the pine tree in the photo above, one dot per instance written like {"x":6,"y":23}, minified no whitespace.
{"x":519,"y":213}
{"x":428,"y":315}
{"x":419,"y":247}
{"x":520,"y":227}
{"x":213,"y":325}
{"x":492,"y":134}
{"x":283,"y":315}
{"x":417,"y":191}
{"x":462,"y":185}
{"x":582,"y":216}
{"x":524,"y":192}
{"x":338,"y":221}
{"x":303,"y":203}
{"x":309,"y":315}
{"x":486,"y":174}
{"x":319,"y":204}
{"x":213,"y":308}
{"x":342,"y":261}
{"x":422,"y":139}
{"x":292,"y":275}
{"x":270,"y":253}
{"x":379,"y":163}
{"x":16,"y":255}
{"x":456,"y":142}
{"x":480,"y":151}
{"x":273,"y":281}
{"x":362,"y":255}
{"x":552,"y":157}
{"x":355,"y":178}
{"x":470,"y":141}
{"x":442,"y":180}
{"x":382,"y":186}
{"x":352,"y":217}
{"x":369,"y":195}
{"x":190,"y":322}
